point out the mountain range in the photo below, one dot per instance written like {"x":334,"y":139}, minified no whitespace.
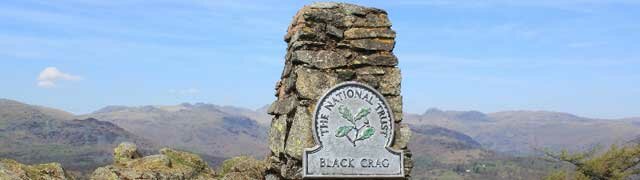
{"x":441,"y":153}
{"x":528,"y":132}
{"x":34,"y":134}
{"x":447,"y":144}
{"x":219,"y":131}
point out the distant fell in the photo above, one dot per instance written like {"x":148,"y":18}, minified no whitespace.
{"x":10,"y":109}
{"x":34,"y":134}
{"x":522,"y":132}
{"x":207,"y":129}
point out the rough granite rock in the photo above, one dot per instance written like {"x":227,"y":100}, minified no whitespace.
{"x":243,"y":167}
{"x":330,"y":43}
{"x":320,"y":59}
{"x":377,"y":59}
{"x":277,"y":135}
{"x":311,"y":83}
{"x":373,"y":44}
{"x":299,"y":136}
{"x":169,"y":164}
{"x":10,"y":170}
{"x":125,"y":152}
{"x":361,"y":33}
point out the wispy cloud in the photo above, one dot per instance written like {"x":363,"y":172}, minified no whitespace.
{"x":50,"y":75}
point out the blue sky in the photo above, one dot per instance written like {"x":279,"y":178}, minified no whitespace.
{"x":577,"y":56}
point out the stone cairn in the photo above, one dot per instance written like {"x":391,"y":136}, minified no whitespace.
{"x":330,"y":43}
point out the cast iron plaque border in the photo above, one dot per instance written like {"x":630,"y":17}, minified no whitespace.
{"x":319,"y":145}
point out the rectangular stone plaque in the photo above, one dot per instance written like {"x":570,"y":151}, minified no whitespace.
{"x":353,"y":130}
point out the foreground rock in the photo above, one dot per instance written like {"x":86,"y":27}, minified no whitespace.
{"x":169,"y":164}
{"x":10,"y":169}
{"x":243,"y":167}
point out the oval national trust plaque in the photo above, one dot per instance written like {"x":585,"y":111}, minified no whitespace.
{"x":353,"y":129}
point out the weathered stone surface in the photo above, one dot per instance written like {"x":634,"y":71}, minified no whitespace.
{"x":345,"y":75}
{"x":370,"y":20}
{"x":403,"y":137}
{"x":328,"y":43}
{"x":390,"y":82}
{"x":320,"y":59}
{"x":335,"y":32}
{"x":320,"y":16}
{"x":291,"y":170}
{"x":408,"y":162}
{"x":310,"y":83}
{"x":283,"y":87}
{"x":371,"y":80}
{"x":300,"y":135}
{"x":284,"y":106}
{"x":396,"y":107}
{"x":355,"y":10}
{"x":272,"y":177}
{"x":306,"y":102}
{"x":304,"y":33}
{"x":288,"y":84}
{"x":243,"y":167}
{"x":324,"y":5}
{"x":373,"y":44}
{"x":378,"y":59}
{"x":370,"y":70}
{"x":288,"y":67}
{"x":344,"y":45}
{"x":125,"y":152}
{"x":10,"y":169}
{"x":189,"y":160}
{"x":277,"y":134}
{"x":169,"y":164}
{"x":304,"y":45}
{"x":360,"y":33}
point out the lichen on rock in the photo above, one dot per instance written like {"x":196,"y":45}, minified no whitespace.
{"x":11,"y":169}
{"x":125,"y":152}
{"x":242,"y":167}
{"x":169,"y":164}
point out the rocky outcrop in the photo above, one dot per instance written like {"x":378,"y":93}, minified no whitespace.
{"x":125,"y":152}
{"x":243,"y":167}
{"x":10,"y":169}
{"x":169,"y":164}
{"x":330,"y":43}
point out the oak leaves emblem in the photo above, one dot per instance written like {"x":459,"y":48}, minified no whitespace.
{"x":365,"y":131}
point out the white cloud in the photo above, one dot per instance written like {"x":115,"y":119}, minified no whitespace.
{"x":50,"y":75}
{"x":189,"y":91}
{"x":45,"y":84}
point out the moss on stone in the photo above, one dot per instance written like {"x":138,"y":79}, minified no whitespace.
{"x":242,"y":167}
{"x":11,"y":169}
{"x":169,"y":164}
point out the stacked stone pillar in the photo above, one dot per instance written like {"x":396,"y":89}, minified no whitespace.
{"x":330,"y":43}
